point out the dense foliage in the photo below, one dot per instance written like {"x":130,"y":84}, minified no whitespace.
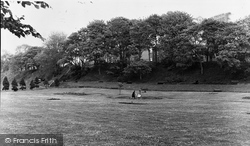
{"x":22,"y":84}
{"x":14,"y":24}
{"x":32,"y":85}
{"x":36,"y":82}
{"x":14,"y":85}
{"x":6,"y":84}
{"x":173,"y":39}
{"x":137,"y":69}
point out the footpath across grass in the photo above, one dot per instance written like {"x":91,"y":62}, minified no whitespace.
{"x":244,"y":88}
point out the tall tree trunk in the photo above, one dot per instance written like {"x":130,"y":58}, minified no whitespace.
{"x":155,"y":55}
{"x":149,"y":55}
{"x":140,"y":54}
{"x":99,"y":69}
{"x":201,"y":67}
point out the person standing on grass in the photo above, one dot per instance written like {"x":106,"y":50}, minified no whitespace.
{"x":139,"y":94}
{"x":133,"y":95}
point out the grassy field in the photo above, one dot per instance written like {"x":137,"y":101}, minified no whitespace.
{"x":102,"y":117}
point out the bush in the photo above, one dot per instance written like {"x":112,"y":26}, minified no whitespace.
{"x":22,"y":84}
{"x":32,"y":85}
{"x":57,"y":82}
{"x":114,"y":70}
{"x":137,"y":68}
{"x":46,"y":83}
{"x":14,"y":85}
{"x":37,"y":81}
{"x":6,"y":84}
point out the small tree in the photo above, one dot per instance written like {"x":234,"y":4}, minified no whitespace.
{"x":57,"y":83}
{"x":46,"y":83}
{"x":14,"y":85}
{"x":120,"y":87}
{"x":22,"y":84}
{"x":32,"y":85}
{"x":6,"y":84}
{"x":37,"y":82}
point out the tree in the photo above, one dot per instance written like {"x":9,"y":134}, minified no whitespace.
{"x":118,"y":38}
{"x":74,"y":49}
{"x":28,"y":58}
{"x":233,"y":46}
{"x":22,"y":48}
{"x":14,"y":85}
{"x":5,"y":62}
{"x":96,"y":43}
{"x":52,"y":53}
{"x":139,"y":36}
{"x":6,"y":84}
{"x":209,"y":30}
{"x":216,"y":40}
{"x":22,"y":84}
{"x":245,"y":23}
{"x":154,"y":32}
{"x":32,"y":85}
{"x":25,"y":60}
{"x":192,"y":46}
{"x":14,"y":25}
{"x":201,"y":41}
{"x":36,"y":82}
{"x":17,"y":63}
{"x":173,"y":24}
{"x":137,"y":68}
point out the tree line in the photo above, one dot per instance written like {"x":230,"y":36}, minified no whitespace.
{"x":33,"y":84}
{"x":173,"y":39}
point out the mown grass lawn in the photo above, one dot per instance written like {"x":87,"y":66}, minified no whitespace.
{"x":89,"y":116}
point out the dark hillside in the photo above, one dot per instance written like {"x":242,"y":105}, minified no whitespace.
{"x":213,"y":74}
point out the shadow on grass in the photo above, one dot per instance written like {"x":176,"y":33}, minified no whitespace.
{"x":136,"y":103}
{"x":247,"y":97}
{"x":143,"y":97}
{"x":54,"y":99}
{"x":71,"y":93}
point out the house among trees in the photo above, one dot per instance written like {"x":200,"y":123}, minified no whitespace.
{"x":222,"y":17}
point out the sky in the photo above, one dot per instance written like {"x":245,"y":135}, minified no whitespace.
{"x":69,"y":16}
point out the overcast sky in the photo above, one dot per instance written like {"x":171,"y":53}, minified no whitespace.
{"x":70,"y":15}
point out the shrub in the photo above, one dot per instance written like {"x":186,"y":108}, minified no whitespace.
{"x":37,"y":82}
{"x":6,"y":84}
{"x":137,"y":68}
{"x":32,"y":85}
{"x":14,"y":85}
{"x":114,"y":70}
{"x":46,"y":83}
{"x":22,"y":84}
